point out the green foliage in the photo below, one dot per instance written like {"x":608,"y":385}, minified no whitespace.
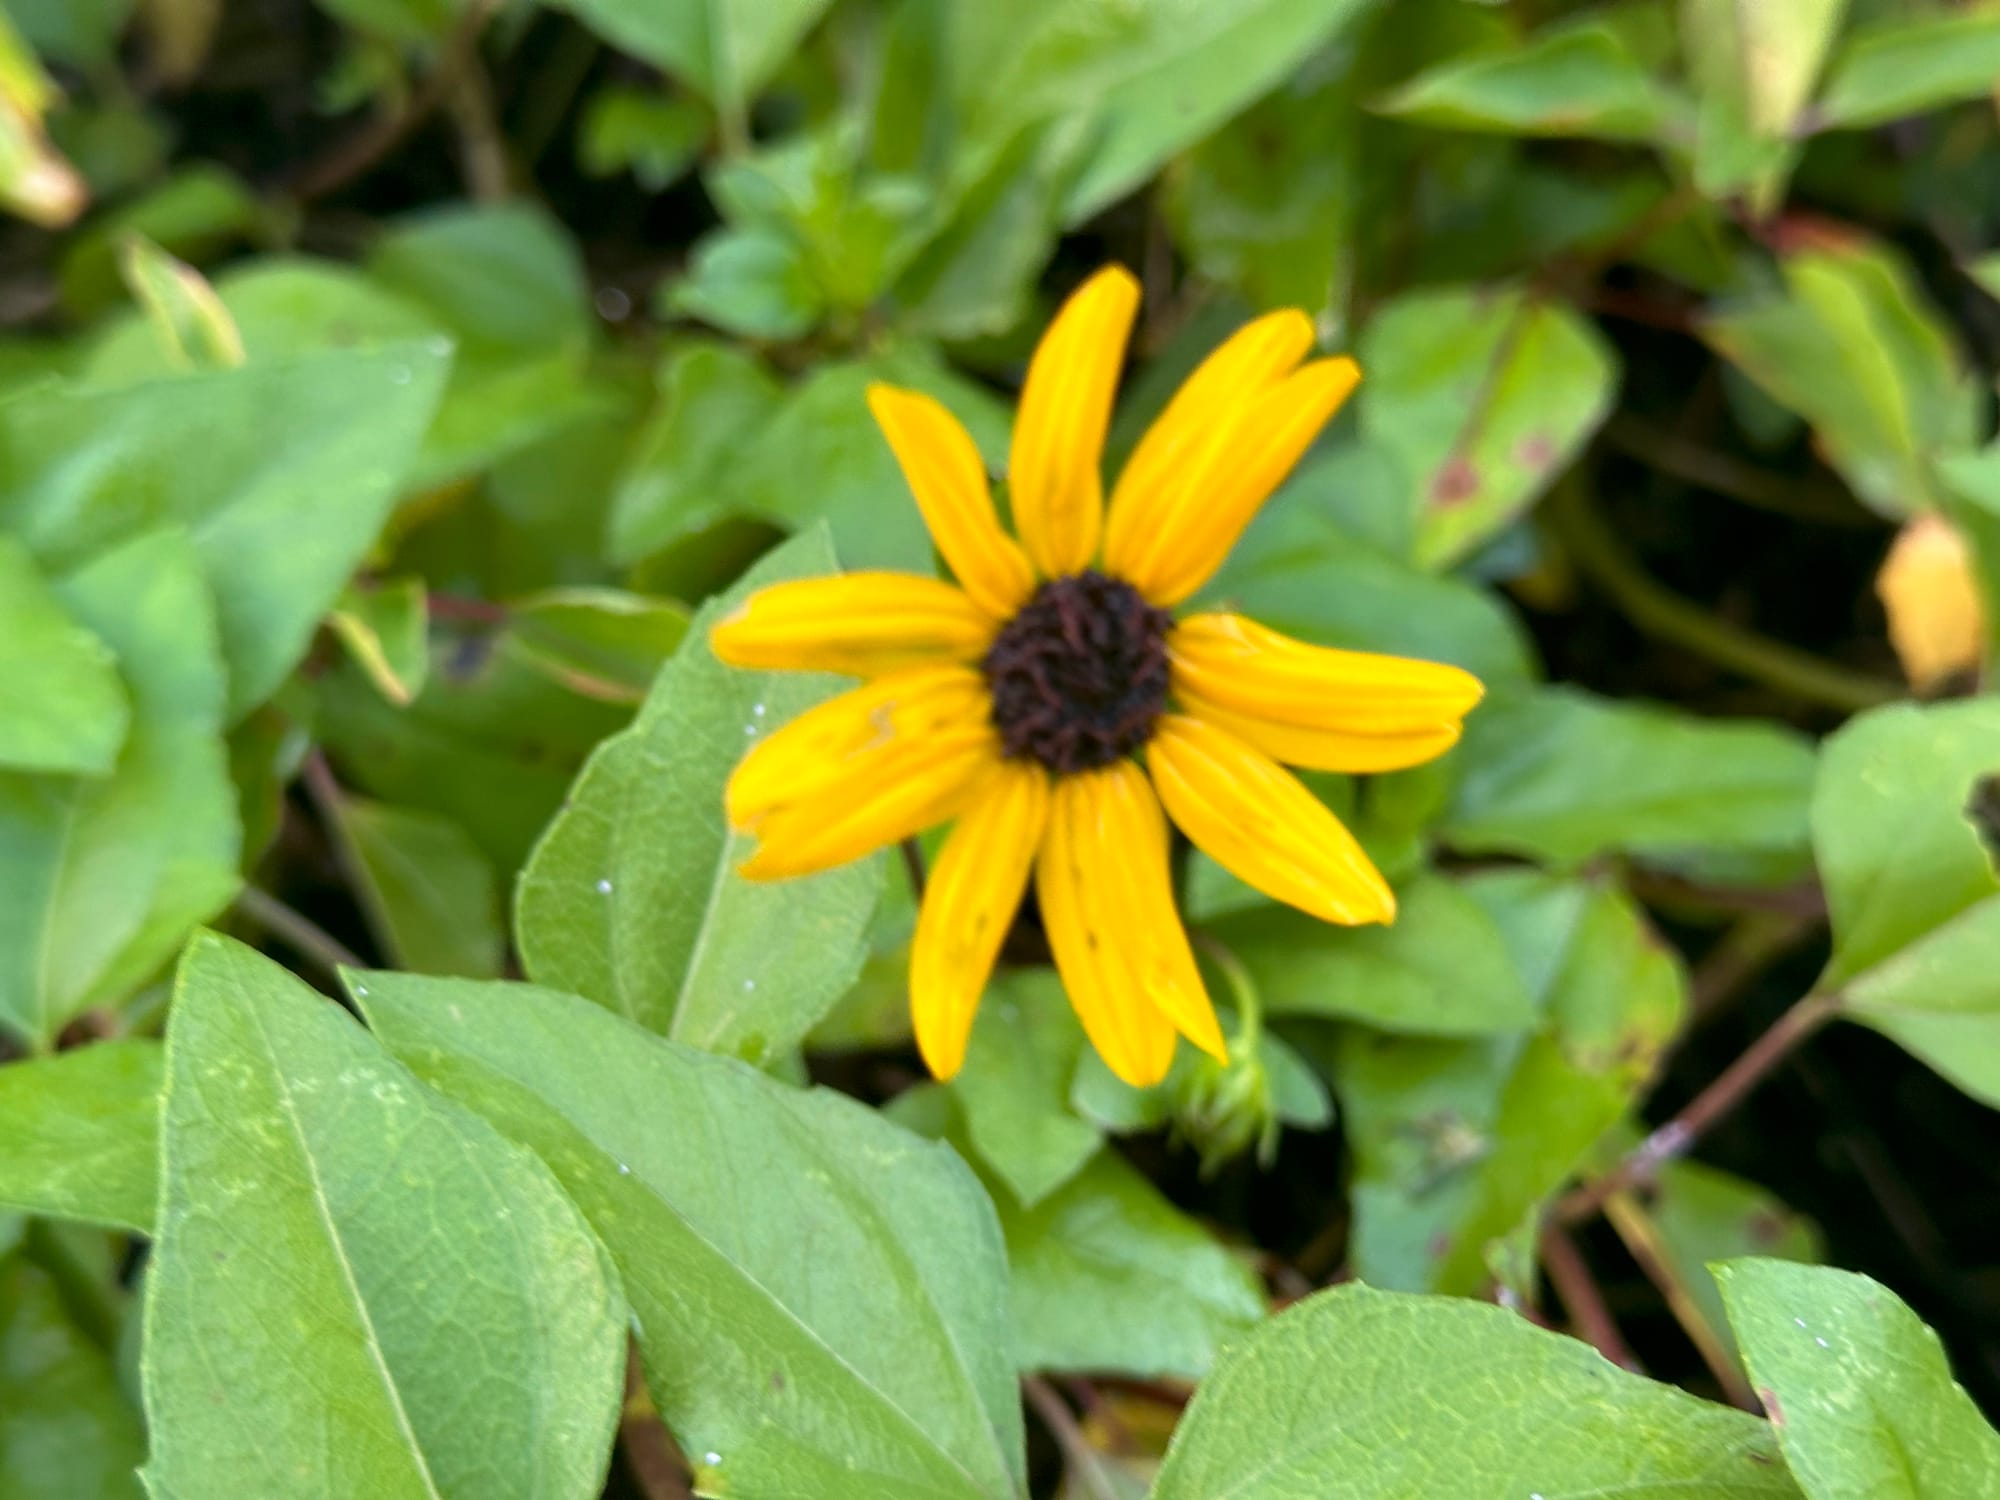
{"x":394,"y":400}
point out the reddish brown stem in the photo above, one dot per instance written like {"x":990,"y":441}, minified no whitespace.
{"x":1576,"y":1288}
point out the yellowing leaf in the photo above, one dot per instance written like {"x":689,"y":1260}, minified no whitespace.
{"x":1936,"y":621}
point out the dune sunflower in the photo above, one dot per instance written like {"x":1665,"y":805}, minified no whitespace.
{"x":1020,"y":701}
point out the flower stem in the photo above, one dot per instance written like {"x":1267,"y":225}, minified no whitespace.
{"x":1660,"y":612}
{"x":1672,"y":1140}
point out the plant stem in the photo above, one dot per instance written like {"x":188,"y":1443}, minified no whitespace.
{"x":1660,"y":612}
{"x":297,"y":931}
{"x":1242,"y":990}
{"x":1642,"y":1238}
{"x":1077,"y":1453}
{"x":1581,"y":1298}
{"x":1672,"y":1140}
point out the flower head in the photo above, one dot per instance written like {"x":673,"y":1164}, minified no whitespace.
{"x":1022,"y":701}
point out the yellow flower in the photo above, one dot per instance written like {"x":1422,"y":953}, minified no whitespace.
{"x":1018,"y":701}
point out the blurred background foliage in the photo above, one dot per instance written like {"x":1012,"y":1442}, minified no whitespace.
{"x":387,"y":381}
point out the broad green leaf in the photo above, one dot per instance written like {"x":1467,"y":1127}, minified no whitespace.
{"x":1854,"y":347}
{"x":713,"y":403}
{"x":1318,"y":583}
{"x":62,"y":707}
{"x":503,"y":275}
{"x":1703,"y":1214}
{"x":1265,"y":205}
{"x":632,"y":898}
{"x":1381,"y":1396}
{"x":104,"y":878}
{"x":1856,"y":1386}
{"x":66,"y":1429}
{"x":1457,"y":1143}
{"x":343,"y":1256}
{"x":492,"y":743}
{"x":1754,"y":66}
{"x":1483,"y":397}
{"x":725,"y":50}
{"x":824,"y":431}
{"x":1441,"y":969}
{"x":1013,"y":1091}
{"x":427,"y":890}
{"x":1911,"y":890}
{"x":82,"y":1133}
{"x":1579,"y":81}
{"x":651,"y":134}
{"x":1986,"y":271}
{"x":602,"y":643}
{"x":1108,"y":1275}
{"x":1562,"y":776}
{"x":386,"y":629}
{"x":817,"y":1294}
{"x":754,"y":283}
{"x":1908,"y":66}
{"x":282,"y":472}
{"x":1214,"y":61}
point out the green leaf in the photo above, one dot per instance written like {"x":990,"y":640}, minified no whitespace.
{"x":492,"y":744}
{"x":1579,"y":81}
{"x":327,"y":1225}
{"x":66,"y":1428}
{"x":82,"y":1133}
{"x":1457,"y":1144}
{"x":1986,"y":271}
{"x":632,"y":898}
{"x":1380,"y":1396}
{"x":105,"y":877}
{"x":652,"y":135}
{"x":1703,"y":1215}
{"x":1108,"y":1275}
{"x":282,"y":472}
{"x":1754,"y":67}
{"x":62,"y":707}
{"x":503,"y":275}
{"x":194,"y":212}
{"x":1856,"y":1386}
{"x":817,"y":1294}
{"x":1212,"y":63}
{"x":428,"y":892}
{"x":754,"y":283}
{"x":1911,"y":891}
{"x":602,"y":643}
{"x":1483,"y":397}
{"x":1265,"y":205}
{"x":824,"y":430}
{"x":1906,"y":67}
{"x":1562,"y":776}
{"x":1854,"y":347}
{"x":386,"y":629}
{"x":1013,"y":1091}
{"x":713,"y":401}
{"x":1441,"y":969}
{"x":725,"y":50}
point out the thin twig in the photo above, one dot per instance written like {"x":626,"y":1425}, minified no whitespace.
{"x":1642,"y":1238}
{"x":297,"y":931}
{"x":1578,"y":1292}
{"x":354,"y":157}
{"x":1660,"y":612}
{"x":1719,"y":473}
{"x":1673,"y":1139}
{"x":1081,"y":1457}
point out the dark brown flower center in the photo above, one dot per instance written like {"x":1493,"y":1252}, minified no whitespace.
{"x":1079,"y":676}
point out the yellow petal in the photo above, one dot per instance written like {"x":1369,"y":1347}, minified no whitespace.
{"x":1109,"y":909}
{"x":1053,"y":470}
{"x":1936,"y":622}
{"x":1326,"y":749}
{"x":1234,"y":475}
{"x":864,"y":624}
{"x":1258,"y":821}
{"x":843,"y":743}
{"x":1252,"y":359}
{"x":1249,"y":669}
{"x":948,"y":477}
{"x":975,"y":888}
